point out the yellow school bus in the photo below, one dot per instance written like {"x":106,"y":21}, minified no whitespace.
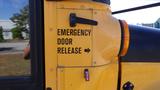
{"x":79,"y":45}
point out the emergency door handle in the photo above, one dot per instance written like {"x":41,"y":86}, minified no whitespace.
{"x":74,"y":20}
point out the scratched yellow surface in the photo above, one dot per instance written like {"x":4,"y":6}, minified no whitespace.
{"x":66,"y":71}
{"x":144,"y":76}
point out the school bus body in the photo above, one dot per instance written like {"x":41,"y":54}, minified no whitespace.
{"x":81,"y":55}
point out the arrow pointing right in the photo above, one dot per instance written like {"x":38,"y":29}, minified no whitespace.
{"x":87,"y":50}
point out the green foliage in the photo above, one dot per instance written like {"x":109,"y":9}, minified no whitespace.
{"x":17,"y":33}
{"x":1,"y":34}
{"x":21,"y":19}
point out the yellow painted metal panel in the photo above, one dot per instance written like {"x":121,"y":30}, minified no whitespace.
{"x":83,"y":5}
{"x":144,"y":76}
{"x":106,"y":38}
{"x":103,"y":41}
{"x":77,"y":38}
{"x":101,"y":78}
{"x":50,"y":44}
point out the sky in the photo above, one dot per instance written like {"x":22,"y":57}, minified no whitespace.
{"x":136,"y":17}
{"x":9,"y":7}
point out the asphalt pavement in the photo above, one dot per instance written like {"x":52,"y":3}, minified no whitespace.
{"x":12,"y":47}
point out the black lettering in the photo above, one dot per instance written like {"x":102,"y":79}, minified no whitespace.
{"x":63,"y":32}
{"x":58,"y":41}
{"x":59,"y":50}
{"x":70,"y":41}
{"x":73,"y":32}
{"x":58,"y":32}
{"x":72,"y":50}
{"x":64,"y":41}
{"x":69,"y":50}
{"x":77,"y":50}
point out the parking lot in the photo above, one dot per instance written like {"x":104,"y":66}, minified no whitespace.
{"x":12,"y":47}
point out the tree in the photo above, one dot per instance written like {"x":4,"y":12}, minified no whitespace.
{"x":21,"y":20}
{"x":17,"y":34}
{"x":1,"y":34}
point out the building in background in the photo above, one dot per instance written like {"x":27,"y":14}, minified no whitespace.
{"x":148,"y":24}
{"x":7,"y":26}
{"x":7,"y":34}
{"x":155,"y":25}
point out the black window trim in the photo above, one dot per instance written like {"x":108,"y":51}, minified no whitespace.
{"x":37,"y":79}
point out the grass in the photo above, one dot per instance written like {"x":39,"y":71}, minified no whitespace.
{"x":14,"y":65}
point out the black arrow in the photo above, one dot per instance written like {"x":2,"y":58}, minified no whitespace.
{"x":87,"y":50}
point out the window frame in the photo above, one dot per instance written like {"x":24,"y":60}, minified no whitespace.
{"x":36,"y":80}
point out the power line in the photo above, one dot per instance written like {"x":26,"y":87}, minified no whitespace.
{"x":137,"y":8}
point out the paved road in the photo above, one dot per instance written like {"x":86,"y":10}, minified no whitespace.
{"x":12,"y":48}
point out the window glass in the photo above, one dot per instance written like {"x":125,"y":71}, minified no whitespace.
{"x":14,"y":38}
